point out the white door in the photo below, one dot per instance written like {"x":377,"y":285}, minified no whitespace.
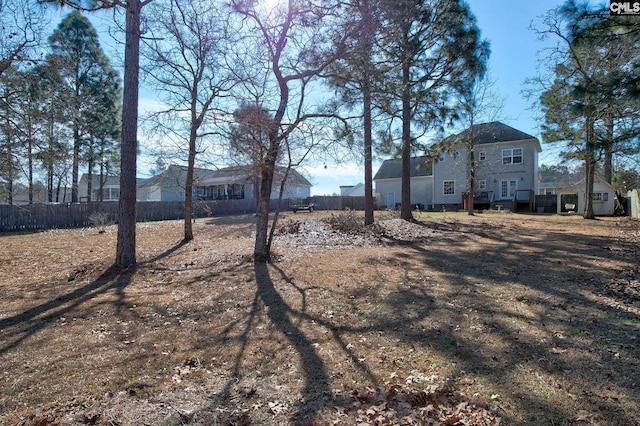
{"x":391,"y":200}
{"x":508,"y":189}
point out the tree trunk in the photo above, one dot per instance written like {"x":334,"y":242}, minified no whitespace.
{"x":30,"y":165}
{"x":188,"y":186}
{"x":368,"y":142}
{"x":608,"y":150}
{"x":89,"y":180}
{"x":590,"y":165}
{"x":261,"y":250}
{"x":472,"y":171}
{"x":405,"y":196}
{"x":126,"y":240}
{"x":101,"y":180}
{"x":76,"y":163}
{"x":366,"y":102}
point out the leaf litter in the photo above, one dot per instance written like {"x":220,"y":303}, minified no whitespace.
{"x":448,"y":320}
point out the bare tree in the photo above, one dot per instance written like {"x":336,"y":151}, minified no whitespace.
{"x":478,"y":103}
{"x":185,"y":60}
{"x":290,"y":46}
{"x":23,"y":24}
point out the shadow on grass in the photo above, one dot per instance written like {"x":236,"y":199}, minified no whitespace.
{"x":548,"y":325}
{"x":316,"y":381}
{"x":19,"y":327}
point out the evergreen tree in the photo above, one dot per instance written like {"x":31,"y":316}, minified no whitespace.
{"x":355,"y":76}
{"x":592,"y":105}
{"x":86,"y":74}
{"x":433,"y":46}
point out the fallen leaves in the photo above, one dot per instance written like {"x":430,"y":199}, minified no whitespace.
{"x":402,"y":404}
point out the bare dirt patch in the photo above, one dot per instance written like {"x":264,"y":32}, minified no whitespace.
{"x":493,"y":319}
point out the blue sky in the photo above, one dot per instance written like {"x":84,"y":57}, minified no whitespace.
{"x":514,"y":57}
{"x":515,"y":50}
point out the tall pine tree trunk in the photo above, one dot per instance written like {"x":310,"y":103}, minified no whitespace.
{"x":472,"y":169}
{"x":590,"y":165}
{"x":368,"y":142}
{"x":608,"y":150}
{"x":76,"y":163}
{"x":405,"y":195}
{"x":367,"y":122}
{"x":126,"y":240}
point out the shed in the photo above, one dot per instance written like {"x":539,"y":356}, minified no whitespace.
{"x":572,"y":198}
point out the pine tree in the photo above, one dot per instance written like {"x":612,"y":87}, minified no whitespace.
{"x":433,"y":46}
{"x":86,"y":74}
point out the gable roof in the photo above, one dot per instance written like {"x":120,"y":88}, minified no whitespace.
{"x":108,"y":180}
{"x":560,"y":180}
{"x":349,"y":190}
{"x":493,"y":132}
{"x":577,"y":182}
{"x":176,"y":175}
{"x":392,"y":169}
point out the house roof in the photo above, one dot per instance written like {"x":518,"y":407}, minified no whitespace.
{"x":560,"y":181}
{"x":576,"y":182}
{"x":348,"y":190}
{"x":206,"y":177}
{"x":95,"y":180}
{"x":493,"y":132}
{"x":392,"y":169}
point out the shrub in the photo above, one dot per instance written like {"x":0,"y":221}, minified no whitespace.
{"x":289,"y":227}
{"x":100,"y":220}
{"x":347,"y":222}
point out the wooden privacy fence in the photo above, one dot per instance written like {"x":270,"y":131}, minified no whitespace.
{"x":546,"y":203}
{"x":48,"y":216}
{"x":66,"y":215}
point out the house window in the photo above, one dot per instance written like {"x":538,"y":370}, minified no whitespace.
{"x":512,"y":156}
{"x":441,"y":157}
{"x":449,"y":187}
{"x":482,"y":185}
{"x":508,"y":189}
{"x":601,"y":196}
{"x":482,"y":156}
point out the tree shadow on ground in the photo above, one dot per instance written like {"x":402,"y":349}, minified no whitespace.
{"x":23,"y":325}
{"x":552,"y":329}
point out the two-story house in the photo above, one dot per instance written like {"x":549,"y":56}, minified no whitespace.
{"x":505,"y":170}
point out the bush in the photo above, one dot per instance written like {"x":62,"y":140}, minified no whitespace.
{"x":289,"y":227}
{"x":100,"y":220}
{"x":347,"y":222}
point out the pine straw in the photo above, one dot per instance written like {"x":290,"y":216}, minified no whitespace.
{"x":450,"y":320}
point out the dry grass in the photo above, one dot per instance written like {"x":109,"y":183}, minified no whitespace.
{"x":493,"y":319}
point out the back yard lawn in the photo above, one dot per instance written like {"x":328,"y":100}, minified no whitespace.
{"x":493,"y":319}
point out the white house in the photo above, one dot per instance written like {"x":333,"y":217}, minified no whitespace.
{"x":352,"y":190}
{"x":109,"y":185}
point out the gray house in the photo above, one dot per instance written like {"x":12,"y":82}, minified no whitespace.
{"x":506,"y":162}
{"x":229,"y":183}
{"x":571,"y":190}
{"x":388,"y":185}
